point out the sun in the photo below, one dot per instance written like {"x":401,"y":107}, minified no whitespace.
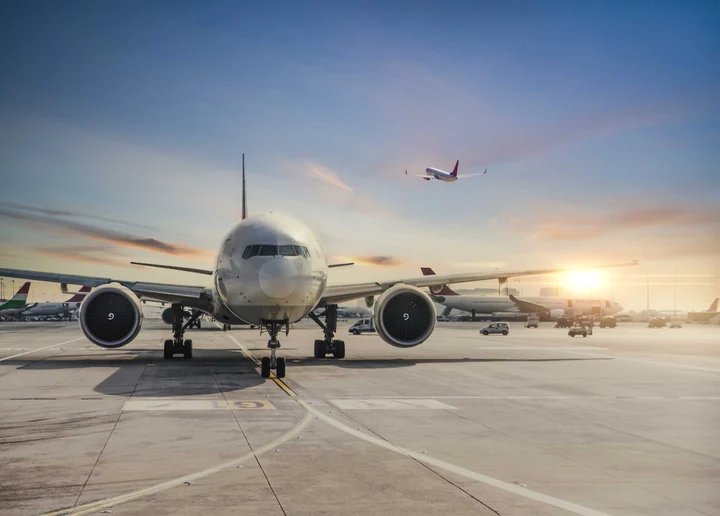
{"x":584,"y":281}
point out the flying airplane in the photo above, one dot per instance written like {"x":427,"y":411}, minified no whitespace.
{"x":441,"y":175}
{"x":63,"y":309}
{"x":271,"y":270}
{"x":18,"y":303}
{"x":553,"y":306}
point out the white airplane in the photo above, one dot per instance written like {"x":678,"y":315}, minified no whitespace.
{"x":553,"y":306}
{"x":17,"y":303}
{"x":271,"y":270}
{"x":63,"y":309}
{"x":441,"y":175}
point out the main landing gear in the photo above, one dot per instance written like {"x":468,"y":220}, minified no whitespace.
{"x":273,"y":361}
{"x":328,"y":346}
{"x":177,"y":345}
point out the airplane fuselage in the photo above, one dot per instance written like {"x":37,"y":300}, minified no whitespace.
{"x":440,"y":175}
{"x":51,"y":309}
{"x":493,"y":304}
{"x":270,"y":267}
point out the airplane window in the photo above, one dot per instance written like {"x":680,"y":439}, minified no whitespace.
{"x":299,"y":251}
{"x":287,"y":250}
{"x":255,"y":250}
{"x":250,"y":251}
{"x":306,"y":253}
{"x":246,"y":252}
{"x":268,"y":250}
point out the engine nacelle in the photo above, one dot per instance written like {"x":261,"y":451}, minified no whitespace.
{"x":557,"y":313}
{"x":111,"y":317}
{"x":404,"y":316}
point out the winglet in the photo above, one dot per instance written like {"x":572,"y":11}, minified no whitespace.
{"x":244,"y":191}
{"x":485,"y":172}
{"x":454,"y":172}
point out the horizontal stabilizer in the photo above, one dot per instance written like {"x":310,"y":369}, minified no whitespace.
{"x":175,"y":268}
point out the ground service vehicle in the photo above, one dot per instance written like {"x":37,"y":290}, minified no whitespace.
{"x":656,"y":322}
{"x":563,"y":322}
{"x":362,"y":326}
{"x":580,"y":329}
{"x":533,"y":321}
{"x":608,"y":322}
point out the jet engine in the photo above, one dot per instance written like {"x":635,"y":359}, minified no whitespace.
{"x":404,"y":316}
{"x":111,"y":317}
{"x":557,"y":313}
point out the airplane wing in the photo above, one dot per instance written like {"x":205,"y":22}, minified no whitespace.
{"x":424,"y":176}
{"x":341,"y":293}
{"x":472,"y":175}
{"x":191,"y":296}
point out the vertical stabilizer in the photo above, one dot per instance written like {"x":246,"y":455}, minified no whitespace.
{"x":19,"y":300}
{"x":438,"y":290}
{"x":713,"y":306}
{"x":454,"y":172}
{"x":244,"y":191}
{"x":77,"y":298}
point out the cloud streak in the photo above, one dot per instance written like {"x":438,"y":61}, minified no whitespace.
{"x":327,"y":176}
{"x":573,"y":227}
{"x":109,"y":236}
{"x":85,"y":254}
{"x":67,"y":213}
{"x":372,"y":261}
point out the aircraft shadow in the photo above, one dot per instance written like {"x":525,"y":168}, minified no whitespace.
{"x":380,"y":363}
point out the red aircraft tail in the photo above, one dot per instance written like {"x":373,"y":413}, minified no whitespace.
{"x":80,"y":295}
{"x":454,"y":172}
{"x":438,"y":290}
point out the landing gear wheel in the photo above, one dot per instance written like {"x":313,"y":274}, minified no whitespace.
{"x":168,"y":349}
{"x":339,"y":351}
{"x":265,"y":367}
{"x":320,"y":349}
{"x":280,"y":370}
{"x":187,"y":349}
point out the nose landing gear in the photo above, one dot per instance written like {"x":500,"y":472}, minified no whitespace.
{"x":273,"y":361}
{"x":328,"y":346}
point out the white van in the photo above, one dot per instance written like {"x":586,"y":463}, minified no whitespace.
{"x":362,"y":326}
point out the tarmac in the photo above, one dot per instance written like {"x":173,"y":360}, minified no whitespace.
{"x":625,"y":422}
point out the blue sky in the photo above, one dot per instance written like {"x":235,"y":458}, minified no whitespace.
{"x":599,"y":123}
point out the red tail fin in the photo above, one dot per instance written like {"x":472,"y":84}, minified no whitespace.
{"x":24,"y":289}
{"x":438,"y":290}
{"x":454,"y":172}
{"x":79,"y":296}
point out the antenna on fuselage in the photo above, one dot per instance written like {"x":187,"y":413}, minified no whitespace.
{"x":244,"y":192}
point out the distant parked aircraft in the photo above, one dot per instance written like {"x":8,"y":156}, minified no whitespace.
{"x":441,"y":175}
{"x":706,"y":316}
{"x":18,"y":303}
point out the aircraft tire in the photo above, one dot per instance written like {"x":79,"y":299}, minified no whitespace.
{"x":280,"y":371}
{"x":265,"y":367}
{"x":187,"y":349}
{"x":320,"y":349}
{"x":339,"y":351}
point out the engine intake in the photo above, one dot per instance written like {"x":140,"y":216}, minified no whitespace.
{"x":111,"y":317}
{"x":404,"y":316}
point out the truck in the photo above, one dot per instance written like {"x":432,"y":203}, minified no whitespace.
{"x":362,"y":326}
{"x":533,"y":321}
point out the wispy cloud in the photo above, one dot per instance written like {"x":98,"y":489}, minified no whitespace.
{"x":110,"y":236}
{"x":66,"y":213}
{"x":327,"y":176}
{"x":372,"y":261}
{"x":574,"y":227}
{"x":85,"y":254}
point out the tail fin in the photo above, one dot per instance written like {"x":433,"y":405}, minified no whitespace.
{"x":19,"y":300}
{"x":713,"y":306}
{"x":454,"y":172}
{"x":244,"y":191}
{"x":80,"y":295}
{"x":438,"y":290}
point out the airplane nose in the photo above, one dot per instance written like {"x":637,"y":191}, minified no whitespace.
{"x":278,"y":278}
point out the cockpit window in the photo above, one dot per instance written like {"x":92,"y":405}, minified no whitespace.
{"x":298,"y":250}
{"x":306,"y":253}
{"x":268,"y":250}
{"x":287,"y":250}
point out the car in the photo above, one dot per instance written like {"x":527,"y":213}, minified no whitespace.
{"x":496,"y":327}
{"x":362,"y":326}
{"x":608,"y":322}
{"x":580,"y":329}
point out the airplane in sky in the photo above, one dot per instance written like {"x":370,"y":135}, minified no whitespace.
{"x":271,"y":270}
{"x":17,"y":303}
{"x":441,"y":175}
{"x":553,"y":306}
{"x":63,"y":309}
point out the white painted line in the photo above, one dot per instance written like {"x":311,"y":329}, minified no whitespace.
{"x":539,"y":348}
{"x":649,"y":362}
{"x":478,"y":477}
{"x":110,"y":502}
{"x":390,"y":404}
{"x":135,"y":405}
{"x":40,"y":349}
